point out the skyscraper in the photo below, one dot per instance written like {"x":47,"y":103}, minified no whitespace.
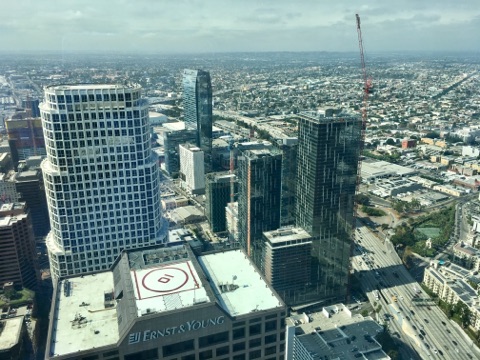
{"x":327,"y":163}
{"x":218,"y":195}
{"x":259,"y":190}
{"x":101,"y":176}
{"x":192,"y":168}
{"x":197,"y":105}
{"x":17,"y":246}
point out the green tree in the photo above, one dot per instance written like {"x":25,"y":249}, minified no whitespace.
{"x":364,"y":313}
{"x":362,"y":199}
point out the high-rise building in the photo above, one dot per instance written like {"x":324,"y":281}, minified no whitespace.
{"x":197,"y":105}
{"x":25,"y":137}
{"x":288,"y":147}
{"x":101,"y":176}
{"x":259,"y":190}
{"x":164,"y":303}
{"x":327,"y":163}
{"x":174,"y":135}
{"x":30,"y":189}
{"x":218,"y":195}
{"x":192,"y":168}
{"x":17,"y":247}
{"x":286,"y":258}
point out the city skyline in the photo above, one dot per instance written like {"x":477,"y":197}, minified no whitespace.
{"x":194,"y":26}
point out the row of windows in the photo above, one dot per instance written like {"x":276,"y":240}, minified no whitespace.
{"x":82,"y":121}
{"x":207,"y":341}
{"x":74,"y":144}
{"x":57,"y":179}
{"x":76,"y":98}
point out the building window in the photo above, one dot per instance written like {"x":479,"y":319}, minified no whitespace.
{"x":208,"y":354}
{"x":270,"y":339}
{"x":209,"y":340}
{"x":224,"y":350}
{"x":177,"y":348}
{"x":255,"y":329}
{"x":271,"y":325}
{"x":239,"y":357}
{"x":238,"y":347}
{"x":238,"y":333}
{"x":270,"y":350}
{"x":255,"y":342}
{"x":256,"y":354}
{"x":151,"y":354}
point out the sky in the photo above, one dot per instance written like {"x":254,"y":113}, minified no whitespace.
{"x":209,"y":26}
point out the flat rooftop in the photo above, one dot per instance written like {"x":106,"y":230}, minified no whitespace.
{"x":10,"y":335}
{"x":238,"y":285}
{"x":340,"y":335}
{"x":91,"y":86}
{"x":284,"y":236}
{"x":167,"y":287}
{"x":82,"y":321}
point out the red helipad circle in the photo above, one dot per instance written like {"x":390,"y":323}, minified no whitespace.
{"x":165,"y":280}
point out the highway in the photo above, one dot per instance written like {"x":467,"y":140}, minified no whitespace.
{"x":414,"y":318}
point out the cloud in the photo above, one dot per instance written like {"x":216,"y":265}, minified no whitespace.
{"x":231,"y":25}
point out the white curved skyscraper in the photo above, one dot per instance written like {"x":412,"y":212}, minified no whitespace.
{"x":101,"y":177}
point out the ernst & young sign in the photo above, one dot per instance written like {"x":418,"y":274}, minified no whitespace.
{"x":192,"y":325}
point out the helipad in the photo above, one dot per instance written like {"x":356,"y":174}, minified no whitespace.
{"x":166,"y":287}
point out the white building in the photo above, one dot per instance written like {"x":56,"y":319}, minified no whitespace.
{"x":101,"y":176}
{"x":192,"y":168}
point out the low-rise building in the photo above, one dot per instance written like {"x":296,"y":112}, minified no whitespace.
{"x":335,"y":333}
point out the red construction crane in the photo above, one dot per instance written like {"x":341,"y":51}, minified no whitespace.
{"x":366,"y":89}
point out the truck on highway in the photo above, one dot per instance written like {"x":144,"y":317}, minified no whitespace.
{"x":377,"y":295}
{"x":394,"y":298}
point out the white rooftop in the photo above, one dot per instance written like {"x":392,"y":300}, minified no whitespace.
{"x":239,"y":287}
{"x":175,"y":126}
{"x":82,"y":321}
{"x":11,"y":332}
{"x":167,"y":287}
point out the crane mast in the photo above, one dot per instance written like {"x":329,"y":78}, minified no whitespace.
{"x":366,"y":89}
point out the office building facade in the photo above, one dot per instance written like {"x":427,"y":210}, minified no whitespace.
{"x":101,"y":176}
{"x":171,"y":143}
{"x":30,"y":189}
{"x":327,"y":164}
{"x":192,"y":168}
{"x":287,"y":265}
{"x":197,"y":105}
{"x":17,"y":247}
{"x":163,"y":303}
{"x":218,"y":191}
{"x":259,"y":194}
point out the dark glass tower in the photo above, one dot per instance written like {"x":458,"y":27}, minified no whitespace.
{"x":197,"y":105}
{"x":259,"y":189}
{"x":327,"y":163}
{"x":218,"y":195}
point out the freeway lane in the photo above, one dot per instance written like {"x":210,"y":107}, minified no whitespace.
{"x":381,"y":267}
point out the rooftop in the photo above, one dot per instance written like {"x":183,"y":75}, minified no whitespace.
{"x":237,"y":284}
{"x":82,"y":319}
{"x":164,"y":287}
{"x":335,"y":333}
{"x":286,"y":235}
{"x":90,"y":87}
{"x":10,"y":335}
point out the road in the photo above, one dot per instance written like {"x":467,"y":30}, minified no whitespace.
{"x":413,"y":312}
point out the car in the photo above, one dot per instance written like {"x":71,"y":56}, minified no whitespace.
{"x":426,"y":321}
{"x":408,"y":318}
{"x":435,"y":351}
{"x":428,"y":346}
{"x":412,"y":312}
{"x":423,"y":333}
{"x":429,"y":308}
{"x":448,"y":331}
{"x":443,"y":322}
{"x":421,"y":336}
{"x":440,"y":352}
{"x":454,"y":343}
{"x":414,"y":327}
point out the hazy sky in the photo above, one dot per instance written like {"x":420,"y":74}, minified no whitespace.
{"x":238,"y":25}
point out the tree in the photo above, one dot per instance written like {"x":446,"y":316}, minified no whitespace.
{"x":390,"y":141}
{"x":362,"y":199}
{"x":364,"y":313}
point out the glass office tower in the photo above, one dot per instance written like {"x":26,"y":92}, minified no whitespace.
{"x":327,"y":163}
{"x":101,"y":176}
{"x":197,"y":106}
{"x":259,"y":197}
